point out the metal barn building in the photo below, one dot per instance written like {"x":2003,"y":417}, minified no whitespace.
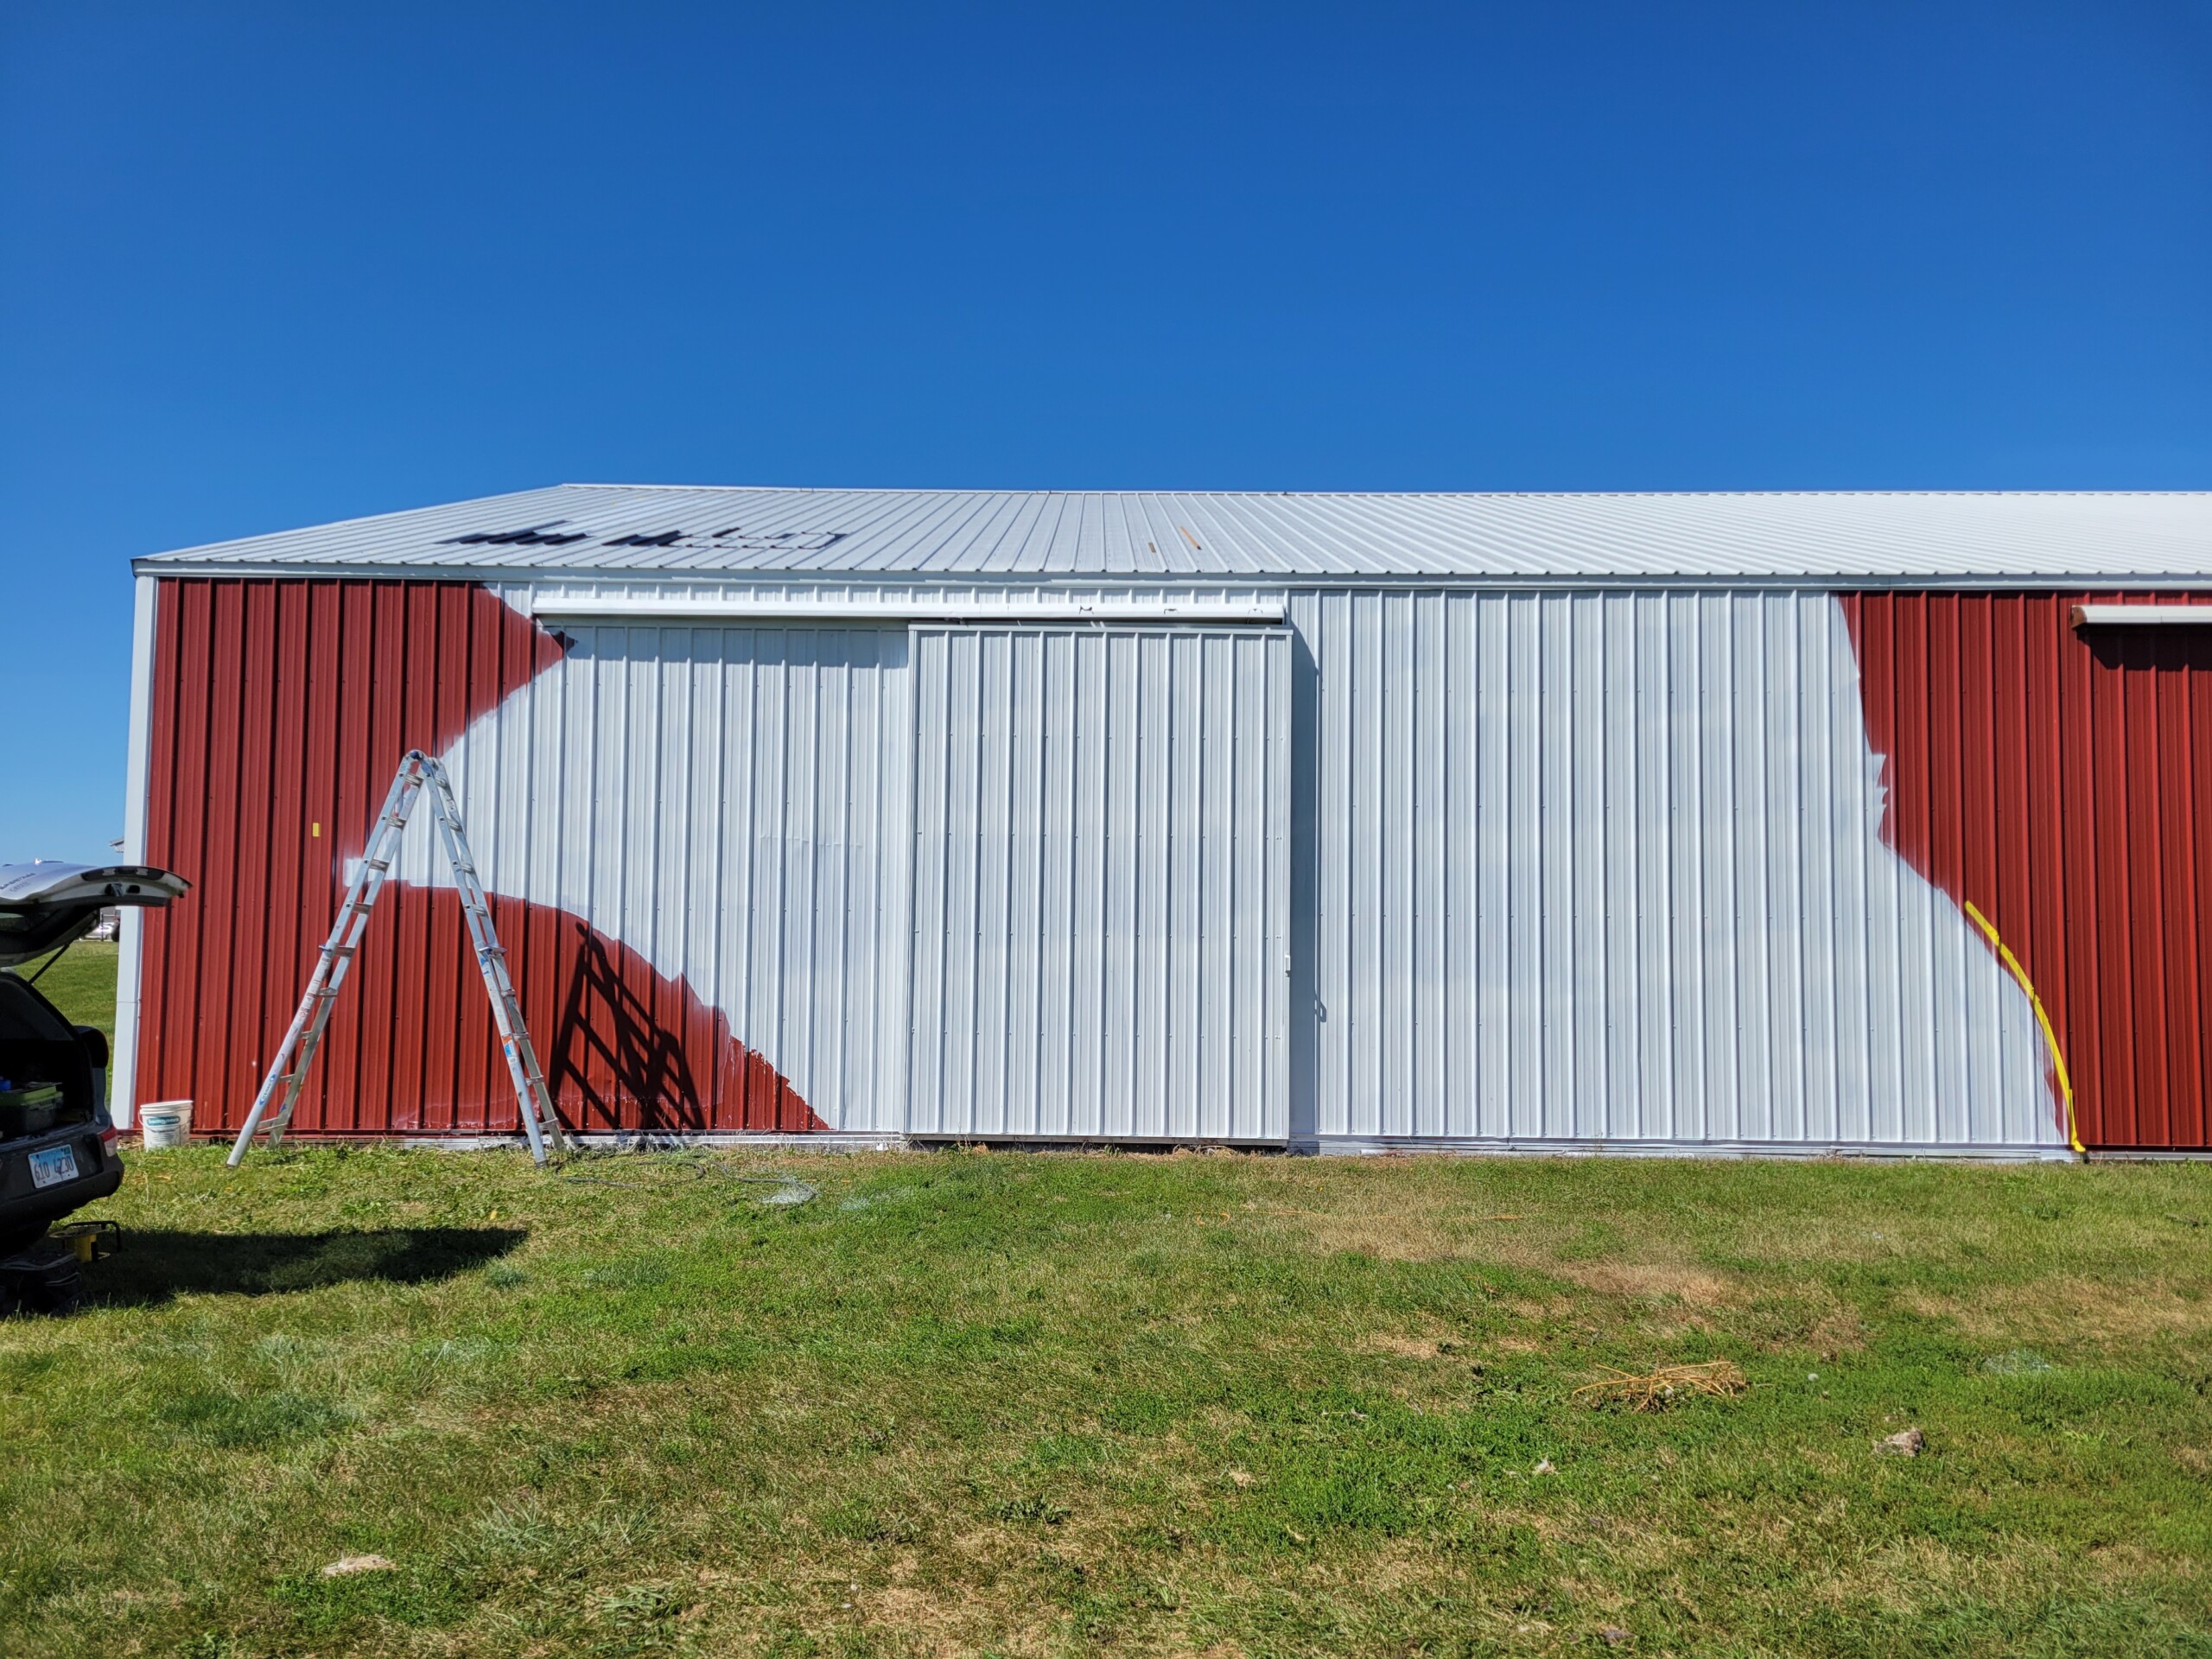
{"x":1774,"y":824}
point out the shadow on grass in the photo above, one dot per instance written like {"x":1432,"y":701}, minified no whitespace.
{"x":156,"y":1265}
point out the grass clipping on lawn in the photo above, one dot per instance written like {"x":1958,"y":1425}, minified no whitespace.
{"x":1656,"y":1390}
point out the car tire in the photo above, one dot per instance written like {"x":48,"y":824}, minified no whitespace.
{"x":59,"y":1297}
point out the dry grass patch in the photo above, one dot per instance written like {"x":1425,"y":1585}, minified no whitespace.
{"x":2065,"y":1308}
{"x":1409,"y":1347}
{"x":1909,"y":1576}
{"x":1446,"y":1229}
{"x":1379,"y":1238}
{"x":1836,"y":1333}
{"x":945,"y":1622}
{"x":1691,"y":1286}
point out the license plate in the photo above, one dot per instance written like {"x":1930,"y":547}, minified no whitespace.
{"x":52,"y":1167}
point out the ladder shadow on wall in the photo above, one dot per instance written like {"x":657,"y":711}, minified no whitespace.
{"x":609,"y":1052}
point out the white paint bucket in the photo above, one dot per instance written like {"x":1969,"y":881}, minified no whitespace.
{"x":164,"y":1123}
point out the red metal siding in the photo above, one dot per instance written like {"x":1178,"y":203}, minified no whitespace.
{"x":280,"y":704}
{"x":2062,"y":783}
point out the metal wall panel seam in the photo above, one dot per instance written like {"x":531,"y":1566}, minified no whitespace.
{"x":966,"y":878}
{"x":1655,"y":986}
{"x":1155,"y":870}
{"x":925,"y":947}
{"x":1808,"y":638}
{"x":895,"y":936}
{"x":1583,"y":886}
{"x":1856,"y":1003}
{"x":702,"y":817}
{"x":1486,"y":843}
{"x":1623,"y":1103}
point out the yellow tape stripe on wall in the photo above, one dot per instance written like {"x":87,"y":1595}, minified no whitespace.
{"x":2049,"y":1036}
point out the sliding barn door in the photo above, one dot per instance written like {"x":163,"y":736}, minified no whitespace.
{"x":1102,"y":883}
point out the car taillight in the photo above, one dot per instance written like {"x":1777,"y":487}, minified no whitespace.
{"x":109,"y":1137}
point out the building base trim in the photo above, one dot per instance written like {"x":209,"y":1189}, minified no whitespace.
{"x":662,"y":1141}
{"x":1327,"y":1145}
{"x":1356,"y":1146}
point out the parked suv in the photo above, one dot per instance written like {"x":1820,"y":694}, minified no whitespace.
{"x":57,"y":1144}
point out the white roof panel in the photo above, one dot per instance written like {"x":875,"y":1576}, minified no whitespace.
{"x":634,"y":531}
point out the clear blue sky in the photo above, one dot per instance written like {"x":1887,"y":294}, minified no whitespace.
{"x":267,"y":266}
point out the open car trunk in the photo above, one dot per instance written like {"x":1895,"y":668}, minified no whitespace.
{"x":56,"y":1146}
{"x":43,"y":907}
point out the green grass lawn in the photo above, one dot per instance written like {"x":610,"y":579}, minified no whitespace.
{"x":1035,"y":1404}
{"x":82,"y":984}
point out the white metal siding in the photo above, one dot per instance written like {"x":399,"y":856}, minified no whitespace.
{"x":732,"y":802}
{"x":1101,"y":883}
{"x":1570,"y":867}
{"x":1608,"y":867}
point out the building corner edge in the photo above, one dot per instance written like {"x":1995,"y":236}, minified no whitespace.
{"x":123,"y":1066}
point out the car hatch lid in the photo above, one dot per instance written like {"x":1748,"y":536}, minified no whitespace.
{"x":44,"y":906}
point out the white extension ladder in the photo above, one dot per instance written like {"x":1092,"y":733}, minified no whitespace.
{"x":417,"y":771}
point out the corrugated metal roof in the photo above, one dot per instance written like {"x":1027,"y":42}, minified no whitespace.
{"x":1844,"y":537}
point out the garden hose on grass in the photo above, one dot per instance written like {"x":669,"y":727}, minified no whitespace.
{"x":789,"y":1189}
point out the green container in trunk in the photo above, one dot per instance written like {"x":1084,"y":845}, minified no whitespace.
{"x":31,"y":1110}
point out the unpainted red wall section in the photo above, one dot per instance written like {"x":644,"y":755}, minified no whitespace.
{"x":280,"y":704}
{"x":2062,"y":782}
